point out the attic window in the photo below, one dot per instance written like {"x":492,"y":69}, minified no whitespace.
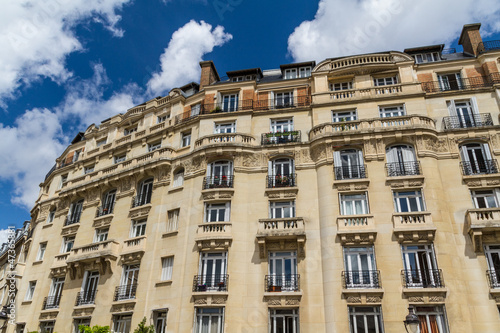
{"x":427,"y":57}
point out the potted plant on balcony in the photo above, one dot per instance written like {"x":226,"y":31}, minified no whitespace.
{"x":201,"y":287}
{"x":221,"y":285}
{"x":273,"y":288}
{"x":223,"y":182}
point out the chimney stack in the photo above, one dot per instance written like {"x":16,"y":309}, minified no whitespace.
{"x":470,"y":38}
{"x":209,"y":74}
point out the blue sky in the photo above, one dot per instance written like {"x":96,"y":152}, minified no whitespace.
{"x":66,"y":64}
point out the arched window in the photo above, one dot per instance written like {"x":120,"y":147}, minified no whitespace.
{"x":476,"y":159}
{"x":219,"y":174}
{"x":75,"y":212}
{"x":108,"y":203}
{"x":281,"y":173}
{"x":401,"y":161}
{"x":349,"y":164}
{"x":178,"y":178}
{"x":144,"y":192}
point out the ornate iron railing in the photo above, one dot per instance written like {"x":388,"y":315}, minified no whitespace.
{"x":493,"y":278}
{"x":210,"y":282}
{"x":475,"y":120}
{"x":218,"y":182}
{"x":104,"y":210}
{"x":474,"y":82}
{"x":125,"y":292}
{"x":282,"y":282}
{"x":280,"y":137}
{"x":72,"y":219}
{"x":51,"y":302}
{"x":397,"y":169}
{"x":350,"y":172}
{"x":488,"y":45}
{"x":84,"y":298}
{"x":140,"y":200}
{"x":288,"y":180}
{"x":479,"y":167}
{"x":361,"y":279}
{"x":422,"y":278}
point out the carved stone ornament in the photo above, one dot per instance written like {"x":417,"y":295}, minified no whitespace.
{"x":103,"y":221}
{"x":140,"y":211}
{"x":123,"y":307}
{"x":354,"y":299}
{"x":49,"y":315}
{"x":92,"y":194}
{"x":125,"y":184}
{"x":84,"y":310}
{"x":416,"y":299}
{"x":70,"y":230}
{"x":304,"y":157}
{"x":318,"y":152}
{"x":252,"y":160}
{"x":436,"y":145}
{"x":63,"y":204}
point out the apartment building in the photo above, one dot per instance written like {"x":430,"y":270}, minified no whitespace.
{"x":317,"y":197}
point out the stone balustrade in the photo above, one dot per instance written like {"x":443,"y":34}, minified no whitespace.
{"x":225,"y":138}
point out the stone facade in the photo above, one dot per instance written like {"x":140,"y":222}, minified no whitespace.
{"x":255,"y":199}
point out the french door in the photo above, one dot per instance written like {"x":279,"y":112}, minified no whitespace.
{"x":283,"y":270}
{"x":129,"y":282}
{"x":90,"y":287}
{"x":213,"y":270}
{"x":55,"y":293}
{"x":230,"y":103}
{"x":476,"y":157}
{"x":360,"y":268}
{"x":420,"y":266}
{"x":109,"y":201}
{"x":493,"y":257}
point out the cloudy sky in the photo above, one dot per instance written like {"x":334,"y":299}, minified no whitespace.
{"x":65,"y":64}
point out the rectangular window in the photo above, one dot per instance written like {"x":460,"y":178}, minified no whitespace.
{"x":225,"y":128}
{"x":154,"y":146}
{"x":420,"y":267}
{"x":365,"y":319}
{"x":167,"y":265}
{"x":304,"y":71}
{"x":283,"y":99}
{"x":290,"y":73}
{"x":67,"y":244}
{"x":360,"y":268}
{"x":138,"y":228}
{"x":101,"y":142}
{"x":64,"y":179}
{"x":230,"y":102}
{"x":427,"y":57}
{"x":47,"y":326}
{"x":353,"y":204}
{"x":20,"y":328}
{"x":120,"y":158}
{"x":101,"y":235}
{"x":408,"y":201}
{"x":385,"y":81}
{"x":41,"y":251}
{"x":392,"y":111}
{"x":89,"y":169}
{"x":281,"y":209}
{"x":31,"y":291}
{"x":161,"y":119}
{"x":432,"y":319}
{"x":78,"y":322}
{"x":89,"y":288}
{"x":344,"y":116}
{"x":195,"y":110}
{"x":178,"y":178}
{"x":160,"y":320}
{"x":130,"y":130}
{"x":50,"y":217}
{"x":284,"y":320}
{"x":185,"y":139}
{"x":75,"y":212}
{"x":217,"y":212}
{"x":485,"y":198}
{"x":122,"y":323}
{"x":337,"y":86}
{"x":281,"y":125}
{"x":173,"y":220}
{"x":492,"y":254}
{"x":451,"y":81}
{"x":209,"y":320}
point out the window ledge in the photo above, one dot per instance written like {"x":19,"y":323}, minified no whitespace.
{"x":176,"y":189}
{"x":37,"y":262}
{"x":48,"y":225}
{"x":163,"y":283}
{"x":26,"y":302}
{"x":170,"y":233}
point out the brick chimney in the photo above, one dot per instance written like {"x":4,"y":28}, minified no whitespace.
{"x":470,"y":38}
{"x":209,"y":74}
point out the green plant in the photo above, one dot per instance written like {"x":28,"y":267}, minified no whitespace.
{"x":142,"y":328}
{"x":95,"y":329}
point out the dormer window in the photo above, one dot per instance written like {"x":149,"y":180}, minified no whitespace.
{"x":427,"y":57}
{"x":161,"y":119}
{"x":290,"y":73}
{"x":304,"y":71}
{"x":237,"y":79}
{"x":293,"y":73}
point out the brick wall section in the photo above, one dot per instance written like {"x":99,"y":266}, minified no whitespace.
{"x":208,"y":74}
{"x":187,"y":111}
{"x":303,"y":96}
{"x":247,"y":102}
{"x":474,"y":71}
{"x":425,"y":77}
{"x":261,"y":102}
{"x":490,"y":67}
{"x":470,"y":39}
{"x":209,"y":99}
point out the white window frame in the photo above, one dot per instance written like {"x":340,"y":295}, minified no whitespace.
{"x":229,"y":102}
{"x":392,"y":111}
{"x":339,"y":86}
{"x":421,"y":58}
{"x":64,"y":179}
{"x":195,"y":110}
{"x":130,"y":130}
{"x":385,"y":81}
{"x":284,"y":315}
{"x":222,"y":212}
{"x":204,"y":312}
{"x":290,"y":73}
{"x":122,"y":323}
{"x":41,"y":251}
{"x":490,"y":197}
{"x":281,"y":125}
{"x":186,"y":139}
{"x":80,"y":321}
{"x":51,"y":216}
{"x":375,"y":312}
{"x":173,"y":220}
{"x":30,"y":291}
{"x":225,"y":127}
{"x":444,"y":80}
{"x":67,"y":244}
{"x":138,"y":228}
{"x":422,"y":252}
{"x":167,"y":267}
{"x":357,"y":261}
{"x":438,"y":312}
{"x":346,"y":115}
{"x":161,"y":119}
{"x":282,"y":208}
{"x":350,"y":200}
{"x":101,"y":142}
{"x":304,"y":71}
{"x":414,"y":197}
{"x":88,"y":169}
{"x":120,"y":158}
{"x":154,"y":146}
{"x":101,"y":235}
{"x":283,"y":99}
{"x":178,"y":178}
{"x":160,"y":320}
{"x":47,"y":326}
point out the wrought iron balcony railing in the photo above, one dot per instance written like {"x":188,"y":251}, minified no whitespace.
{"x":397,"y":169}
{"x":280,"y":137}
{"x":475,"y":120}
{"x":282,"y":103}
{"x":210,"y":282}
{"x":282,"y":282}
{"x":51,"y":302}
{"x":125,"y":292}
{"x":458,"y":84}
{"x":350,"y":172}
{"x":140,"y":200}
{"x":104,"y":210}
{"x":213,"y":108}
{"x":288,"y":180}
{"x":422,"y":278}
{"x":72,"y":219}
{"x":488,"y":45}
{"x":85,"y":298}
{"x":493,"y":278}
{"x":218,"y":182}
{"x":479,"y":167}
{"x":361,"y":279}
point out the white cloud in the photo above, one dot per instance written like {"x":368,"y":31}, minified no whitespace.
{"x":342,"y":28}
{"x":4,"y":235}
{"x":180,"y":60}
{"x":36,"y":37}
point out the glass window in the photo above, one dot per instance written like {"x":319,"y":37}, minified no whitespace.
{"x":50,"y":217}
{"x":67,"y":244}
{"x":392,"y":111}
{"x":281,"y":209}
{"x":80,"y":321}
{"x":432,"y":319}
{"x":160,"y":320}
{"x":420,"y":267}
{"x":344,"y":116}
{"x":47,"y":326}
{"x":341,"y":86}
{"x":476,"y":159}
{"x":282,"y":272}
{"x":154,"y":146}
{"x":281,"y":125}
{"x":101,"y":142}
{"x":167,"y":265}
{"x":361,"y":271}
{"x":186,"y":139}
{"x":230,"y":102}
{"x":209,"y":320}
{"x":283,"y":99}
{"x":304,"y":71}
{"x":75,"y":212}
{"x":173,"y":220}
{"x":20,"y":328}
{"x":225,"y":128}
{"x":101,"y":235}
{"x":384,"y":81}
{"x":178,"y":178}
{"x":122,"y":323}
{"x":284,"y":320}
{"x":64,"y":179}
{"x":451,"y":81}
{"x":290,"y":73}
{"x":31,"y":291}
{"x":408,"y":201}
{"x":120,"y":158}
{"x":89,"y":288}
{"x":130,"y":130}
{"x":89,"y":169}
{"x":353,"y":204}
{"x":492,"y":253}
{"x":365,"y":319}
{"x":161,"y":119}
{"x":41,"y":251}
{"x":144,"y":193}
{"x":195,"y":110}
{"x":217,"y":212}
{"x":138,"y":228}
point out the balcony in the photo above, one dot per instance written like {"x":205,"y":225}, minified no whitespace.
{"x":282,"y":282}
{"x":398,"y":169}
{"x":96,"y":255}
{"x":214,"y":236}
{"x":51,"y":302}
{"x":356,"y":229}
{"x":288,"y":231}
{"x":475,"y":120}
{"x":210,"y":283}
{"x":225,"y":138}
{"x":479,"y":167}
{"x":133,"y":250}
{"x":411,"y":227}
{"x":125,"y":292}
{"x":483,"y":222}
{"x":85,"y":298}
{"x":140,"y":200}
{"x":350,"y":172}
{"x":72,"y":219}
{"x":470,"y":83}
{"x":275,"y":138}
{"x":217,"y":182}
{"x":282,"y":103}
{"x":425,"y":278}
{"x":360,"y":279}
{"x":277,"y":181}
{"x":493,"y":278}
{"x":104,"y":210}
{"x":215,"y":108}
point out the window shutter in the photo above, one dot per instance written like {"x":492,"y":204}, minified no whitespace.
{"x":392,"y":155}
{"x":337,"y":162}
{"x":463,"y":152}
{"x":452,"y":110}
{"x":475,"y":108}
{"x":486,"y":150}
{"x":360,"y":157}
{"x":408,"y":154}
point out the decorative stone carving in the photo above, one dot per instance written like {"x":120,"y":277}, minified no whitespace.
{"x":373,"y":299}
{"x":103,"y":221}
{"x":318,"y":152}
{"x":218,"y":300}
{"x":52,"y":314}
{"x":436,"y":299}
{"x":292,"y":301}
{"x":200,"y":301}
{"x":139,"y":212}
{"x":70,"y":230}
{"x":274,"y":301}
{"x":125,"y":184}
{"x":92,"y":195}
{"x":252,"y":160}
{"x":123,"y":307}
{"x":63,"y":204}
{"x":436,"y":145}
{"x":354,"y":299}
{"x":83,"y":311}
{"x":415,"y":299}
{"x":304,"y":157}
